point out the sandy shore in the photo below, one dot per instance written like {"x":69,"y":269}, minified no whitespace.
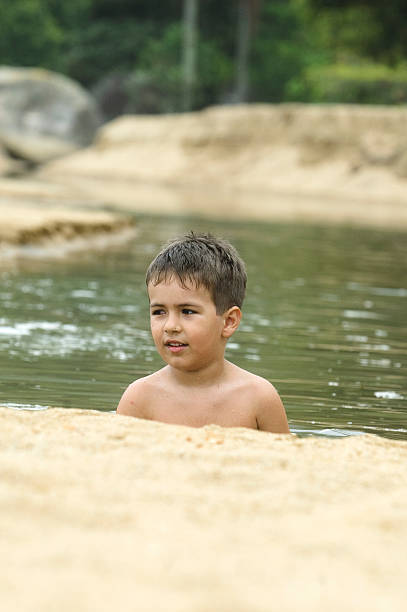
{"x":101,"y":512}
{"x":290,"y":162}
{"x":29,"y":228}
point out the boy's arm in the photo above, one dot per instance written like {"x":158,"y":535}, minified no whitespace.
{"x":132,"y":401}
{"x":271,"y":415}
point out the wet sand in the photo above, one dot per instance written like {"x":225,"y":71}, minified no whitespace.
{"x":102,"y":512}
{"x":29,"y":229}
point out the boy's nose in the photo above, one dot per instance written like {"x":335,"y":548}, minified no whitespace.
{"x":172,"y":325}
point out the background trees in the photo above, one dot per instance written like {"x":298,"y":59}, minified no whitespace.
{"x":154,"y":56}
{"x":375,"y":29}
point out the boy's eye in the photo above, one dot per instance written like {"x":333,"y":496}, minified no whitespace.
{"x":157,"y":311}
{"x":188,"y":311}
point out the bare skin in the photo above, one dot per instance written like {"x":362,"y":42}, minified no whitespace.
{"x":198,"y":386}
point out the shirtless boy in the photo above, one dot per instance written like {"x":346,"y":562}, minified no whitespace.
{"x":196,"y":286}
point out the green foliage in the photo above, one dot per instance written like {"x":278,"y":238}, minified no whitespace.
{"x":105,"y":46}
{"x":69,"y":15}
{"x":215,"y":72}
{"x":346,"y":32}
{"x":361,"y":84}
{"x":310,"y":50}
{"x":29,"y":34}
{"x":280,"y":52}
{"x":159,"y":11}
{"x":158,"y":76}
{"x":387,"y":40}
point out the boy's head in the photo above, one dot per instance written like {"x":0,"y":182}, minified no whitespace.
{"x":202,"y":260}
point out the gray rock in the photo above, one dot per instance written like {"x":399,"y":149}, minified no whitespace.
{"x":44,"y":115}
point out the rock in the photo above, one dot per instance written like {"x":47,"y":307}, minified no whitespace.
{"x":44,"y":115}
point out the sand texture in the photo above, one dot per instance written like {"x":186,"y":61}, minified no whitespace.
{"x":101,"y":512}
{"x":57,"y":231}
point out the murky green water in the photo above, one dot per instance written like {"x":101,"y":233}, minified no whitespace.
{"x":324,"y":320}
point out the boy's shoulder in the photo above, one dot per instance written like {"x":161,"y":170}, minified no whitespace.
{"x":264,"y":399}
{"x":135,"y":400}
{"x":149,"y":381}
{"x":257,"y":384}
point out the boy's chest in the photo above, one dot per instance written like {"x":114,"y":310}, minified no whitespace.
{"x":197,"y":409}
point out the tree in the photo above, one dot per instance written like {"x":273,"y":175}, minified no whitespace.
{"x":190,"y":45}
{"x":389,"y":19}
{"x":29,"y":34}
{"x":247,"y":14}
{"x":280,"y":52}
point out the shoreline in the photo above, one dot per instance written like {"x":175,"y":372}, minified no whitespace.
{"x":36,"y":224}
{"x":31,"y":230}
{"x":308,"y":163}
{"x":169,"y":517}
{"x":319,"y":164}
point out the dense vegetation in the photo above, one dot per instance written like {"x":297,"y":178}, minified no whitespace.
{"x":135,"y":53}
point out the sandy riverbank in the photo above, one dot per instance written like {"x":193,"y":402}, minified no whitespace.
{"x":57,"y":230}
{"x":295,"y":162}
{"x":291,"y":162}
{"x":101,"y":512}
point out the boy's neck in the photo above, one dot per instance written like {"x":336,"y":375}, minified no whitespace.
{"x":210,"y":375}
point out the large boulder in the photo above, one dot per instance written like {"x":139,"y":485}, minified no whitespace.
{"x":44,"y":115}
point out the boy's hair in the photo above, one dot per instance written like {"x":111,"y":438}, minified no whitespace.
{"x":202,"y":260}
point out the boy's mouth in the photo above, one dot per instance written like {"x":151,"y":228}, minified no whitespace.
{"x":175,"y":346}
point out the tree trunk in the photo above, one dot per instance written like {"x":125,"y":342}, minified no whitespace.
{"x":242,"y":51}
{"x":190,"y":52}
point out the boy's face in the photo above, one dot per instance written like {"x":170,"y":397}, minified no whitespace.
{"x":187,"y":331}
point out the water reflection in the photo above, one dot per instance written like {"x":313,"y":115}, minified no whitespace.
{"x":324,"y":320}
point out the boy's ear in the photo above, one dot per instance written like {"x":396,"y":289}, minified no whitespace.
{"x":231,"y":321}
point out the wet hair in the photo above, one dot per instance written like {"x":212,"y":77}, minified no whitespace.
{"x":202,"y":260}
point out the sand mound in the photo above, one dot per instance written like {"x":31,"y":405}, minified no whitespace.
{"x":341,"y":162}
{"x":101,"y":512}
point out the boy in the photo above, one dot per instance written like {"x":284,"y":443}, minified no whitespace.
{"x":196,"y":286}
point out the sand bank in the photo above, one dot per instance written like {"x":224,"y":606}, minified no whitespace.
{"x":290,"y":162}
{"x":295,"y":162}
{"x":56,"y":230}
{"x":101,"y":512}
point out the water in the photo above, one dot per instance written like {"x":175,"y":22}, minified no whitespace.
{"x":324,"y":320}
